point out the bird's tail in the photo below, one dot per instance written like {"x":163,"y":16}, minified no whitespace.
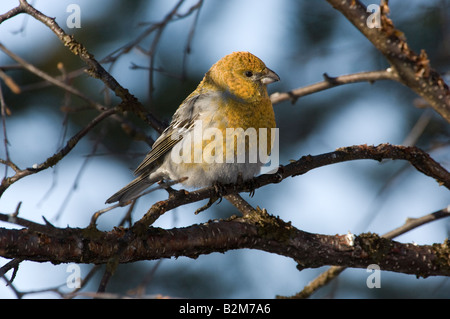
{"x":132,"y":190}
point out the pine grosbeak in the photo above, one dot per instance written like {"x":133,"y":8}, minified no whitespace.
{"x":194,"y":148}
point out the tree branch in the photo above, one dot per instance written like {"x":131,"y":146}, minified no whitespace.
{"x":331,"y":82}
{"x":418,"y":158}
{"x":334,"y":271}
{"x":11,"y":13}
{"x":255,"y":231}
{"x":95,"y":69}
{"x":31,"y":68}
{"x":413,"y":69}
{"x":55,"y":158}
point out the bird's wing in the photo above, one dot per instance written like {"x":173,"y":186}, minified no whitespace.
{"x":182,"y":122}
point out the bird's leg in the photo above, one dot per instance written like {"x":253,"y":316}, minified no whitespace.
{"x":252,"y":189}
{"x":248,"y":184}
{"x":167,"y":185}
{"x":218,"y":188}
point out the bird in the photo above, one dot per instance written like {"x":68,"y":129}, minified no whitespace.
{"x":196,"y":148}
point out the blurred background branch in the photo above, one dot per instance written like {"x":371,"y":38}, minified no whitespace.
{"x":414,"y":70}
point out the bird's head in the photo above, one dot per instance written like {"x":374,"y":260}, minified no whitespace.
{"x":242,"y":74}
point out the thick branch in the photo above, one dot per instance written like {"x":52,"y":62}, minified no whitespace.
{"x":413,"y":69}
{"x":331,"y":273}
{"x":255,"y":231}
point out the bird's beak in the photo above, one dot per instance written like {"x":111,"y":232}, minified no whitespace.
{"x":269,"y":77}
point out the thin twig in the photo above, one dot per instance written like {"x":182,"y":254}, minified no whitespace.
{"x":331,"y":82}
{"x":9,"y":82}
{"x":95,"y":69}
{"x":257,"y":231}
{"x":187,"y":49}
{"x":154,"y":46}
{"x":55,"y":158}
{"x":3,"y":108}
{"x":31,"y":68}
{"x":11,"y":13}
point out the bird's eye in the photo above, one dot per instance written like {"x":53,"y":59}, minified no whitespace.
{"x":248,"y":73}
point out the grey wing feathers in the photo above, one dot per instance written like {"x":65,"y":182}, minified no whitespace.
{"x":182,"y":121}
